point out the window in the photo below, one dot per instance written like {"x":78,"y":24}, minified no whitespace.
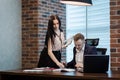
{"x":92,"y":21}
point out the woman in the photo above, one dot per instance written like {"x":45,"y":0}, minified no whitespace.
{"x":54,"y":42}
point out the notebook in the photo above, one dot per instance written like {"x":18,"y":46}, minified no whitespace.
{"x":96,"y":63}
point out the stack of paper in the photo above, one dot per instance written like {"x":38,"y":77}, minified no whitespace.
{"x":39,"y":69}
{"x":48,"y":69}
{"x":64,"y":70}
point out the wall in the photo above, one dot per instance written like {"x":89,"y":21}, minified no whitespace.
{"x":10,"y":34}
{"x":29,"y":33}
{"x":115,"y":33}
{"x":35,"y":15}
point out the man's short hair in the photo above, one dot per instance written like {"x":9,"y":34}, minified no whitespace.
{"x":79,"y":36}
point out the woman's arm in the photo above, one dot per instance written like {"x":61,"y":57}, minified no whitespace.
{"x":50,"y":53}
{"x":67,"y":42}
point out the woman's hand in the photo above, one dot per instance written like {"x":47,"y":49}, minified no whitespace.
{"x":67,"y":42}
{"x":79,"y":65}
{"x":60,"y":65}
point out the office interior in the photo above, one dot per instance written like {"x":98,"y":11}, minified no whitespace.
{"x":23,"y":25}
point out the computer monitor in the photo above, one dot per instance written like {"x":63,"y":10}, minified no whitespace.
{"x":96,"y":63}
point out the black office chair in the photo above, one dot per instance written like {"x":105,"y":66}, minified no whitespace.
{"x":95,"y":42}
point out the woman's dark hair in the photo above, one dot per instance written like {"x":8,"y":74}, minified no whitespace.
{"x":50,"y":31}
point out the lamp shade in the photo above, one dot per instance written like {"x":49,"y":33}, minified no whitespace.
{"x":77,"y":2}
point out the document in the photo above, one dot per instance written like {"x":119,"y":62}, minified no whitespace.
{"x":64,"y":70}
{"x":46,"y":69}
{"x":42,"y":69}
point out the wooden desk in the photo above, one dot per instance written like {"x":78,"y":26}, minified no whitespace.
{"x":20,"y":75}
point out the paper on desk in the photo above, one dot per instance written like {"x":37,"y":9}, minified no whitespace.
{"x":32,"y":70}
{"x":39,"y":69}
{"x":64,"y":70}
{"x":48,"y":69}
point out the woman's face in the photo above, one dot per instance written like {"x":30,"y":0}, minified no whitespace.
{"x":79,"y":44}
{"x":55,"y":24}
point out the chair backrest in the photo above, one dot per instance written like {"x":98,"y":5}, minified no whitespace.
{"x":101,"y":51}
{"x":92,"y":42}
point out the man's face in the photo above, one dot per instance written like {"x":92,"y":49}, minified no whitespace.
{"x":79,"y":44}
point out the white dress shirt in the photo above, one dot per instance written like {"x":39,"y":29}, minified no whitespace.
{"x":79,"y":55}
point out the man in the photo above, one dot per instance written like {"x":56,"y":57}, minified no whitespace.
{"x":80,"y":49}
